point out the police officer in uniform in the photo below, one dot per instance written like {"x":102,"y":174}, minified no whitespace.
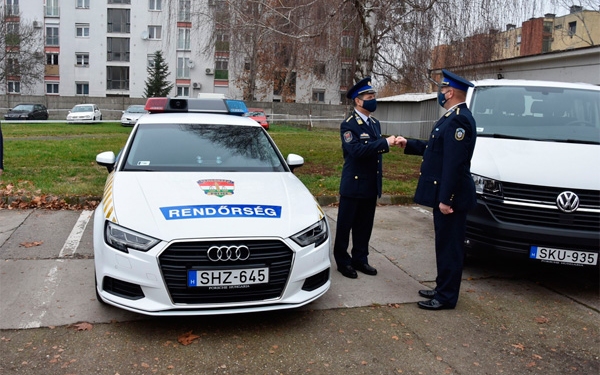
{"x":360,"y":185}
{"x":446,"y":185}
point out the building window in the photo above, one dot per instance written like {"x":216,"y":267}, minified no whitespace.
{"x":183,"y":90}
{"x":12,"y":7}
{"x":51,"y":9}
{"x":318,"y":96}
{"x":117,"y":49}
{"x":13,"y":37}
{"x":183,"y":67}
{"x":12,"y":65}
{"x":82,"y":30}
{"x":52,"y":88}
{"x":118,"y":20}
{"x":119,"y":1}
{"x":13,"y":87}
{"x":117,"y":78}
{"x":319,"y":69}
{"x":184,"y":14}
{"x":82,"y":88}
{"x":519,"y":39}
{"x":150,"y":62}
{"x":154,"y":32}
{"x":82,"y":4}
{"x":154,"y":4}
{"x":572,"y":28}
{"x":346,"y":76}
{"x":347,"y":45}
{"x":52,"y":59}
{"x":183,"y":39}
{"x":222,"y":42}
{"x":222,"y":69}
{"x":52,"y":36}
{"x":82,"y":59}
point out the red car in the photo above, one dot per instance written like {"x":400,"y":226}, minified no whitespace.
{"x":258,"y":115}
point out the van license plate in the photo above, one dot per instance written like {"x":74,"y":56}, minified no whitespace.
{"x":563,"y":256}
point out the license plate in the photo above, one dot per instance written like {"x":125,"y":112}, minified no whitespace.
{"x":563,"y":256}
{"x":228,"y":277}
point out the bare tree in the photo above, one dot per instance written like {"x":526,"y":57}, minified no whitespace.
{"x":21,"y":50}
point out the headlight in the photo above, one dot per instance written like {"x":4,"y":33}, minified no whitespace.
{"x":124,"y":239}
{"x":316,"y":233}
{"x":487,"y":186}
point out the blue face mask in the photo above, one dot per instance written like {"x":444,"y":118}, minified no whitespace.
{"x":441,"y":97}
{"x":370,"y":105}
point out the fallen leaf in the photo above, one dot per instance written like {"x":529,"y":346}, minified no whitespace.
{"x":187,"y":338}
{"x":31,"y":244}
{"x":83,"y":326}
{"x":519,"y":346}
{"x":541,"y":319}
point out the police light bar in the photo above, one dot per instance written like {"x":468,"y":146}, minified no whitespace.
{"x":204,"y":105}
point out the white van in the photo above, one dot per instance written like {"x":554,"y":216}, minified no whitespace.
{"x":536,"y":168}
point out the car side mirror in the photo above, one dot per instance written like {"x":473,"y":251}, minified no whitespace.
{"x":106,"y":159}
{"x":294,"y":161}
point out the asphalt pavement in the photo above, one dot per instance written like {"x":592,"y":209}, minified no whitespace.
{"x":513,"y":317}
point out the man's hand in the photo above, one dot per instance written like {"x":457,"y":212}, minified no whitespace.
{"x":445,"y":209}
{"x":391,"y":140}
{"x":401,"y":141}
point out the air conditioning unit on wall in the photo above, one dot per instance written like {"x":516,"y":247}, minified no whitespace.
{"x":197,"y":85}
{"x":37,"y":24}
{"x":210,"y":71}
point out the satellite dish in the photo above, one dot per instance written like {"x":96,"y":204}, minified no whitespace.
{"x":145,"y":34}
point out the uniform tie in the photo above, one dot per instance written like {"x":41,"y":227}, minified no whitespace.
{"x":368,"y":122}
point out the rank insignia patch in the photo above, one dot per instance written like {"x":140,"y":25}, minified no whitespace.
{"x":459,"y":134}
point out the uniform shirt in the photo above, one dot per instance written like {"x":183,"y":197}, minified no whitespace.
{"x":446,"y":167}
{"x":362,"y":147}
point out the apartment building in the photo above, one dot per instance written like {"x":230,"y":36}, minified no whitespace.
{"x":102,"y":48}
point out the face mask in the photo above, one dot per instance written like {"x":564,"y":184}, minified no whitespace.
{"x":441,"y":98}
{"x":370,"y":105}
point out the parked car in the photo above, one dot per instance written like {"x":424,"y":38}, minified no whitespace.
{"x":82,"y":113}
{"x":201,"y":214}
{"x":132,"y":114}
{"x":27,"y":111}
{"x":535,"y":168}
{"x":258,"y":115}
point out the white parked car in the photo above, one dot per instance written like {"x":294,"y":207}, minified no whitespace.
{"x":82,"y":113}
{"x":535,"y":167}
{"x":201,"y":214}
{"x":132,"y":114}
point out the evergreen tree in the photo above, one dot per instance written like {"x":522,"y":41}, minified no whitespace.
{"x":157,"y":84}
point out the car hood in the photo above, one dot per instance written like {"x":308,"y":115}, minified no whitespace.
{"x":542,"y":163}
{"x":188,"y":205}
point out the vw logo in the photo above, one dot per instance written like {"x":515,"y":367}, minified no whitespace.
{"x":567,"y":201}
{"x":224,"y":253}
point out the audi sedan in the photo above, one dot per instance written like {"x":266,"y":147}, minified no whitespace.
{"x":201,"y":214}
{"x":84,"y":113}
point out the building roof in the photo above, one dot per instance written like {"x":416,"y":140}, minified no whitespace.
{"x":415,"y":97}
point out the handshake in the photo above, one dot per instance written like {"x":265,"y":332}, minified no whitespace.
{"x":396,"y":141}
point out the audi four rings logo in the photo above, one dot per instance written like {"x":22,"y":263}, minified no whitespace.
{"x":567,"y":201}
{"x":224,"y":253}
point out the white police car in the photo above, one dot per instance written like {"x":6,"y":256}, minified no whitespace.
{"x":201,"y":214}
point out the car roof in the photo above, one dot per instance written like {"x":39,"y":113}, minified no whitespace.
{"x":525,"y":82}
{"x":196,"y":118}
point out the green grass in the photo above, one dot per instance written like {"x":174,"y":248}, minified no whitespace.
{"x":59,"y":159}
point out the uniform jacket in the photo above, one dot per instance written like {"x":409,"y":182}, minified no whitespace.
{"x":362,"y":146}
{"x":446,"y":167}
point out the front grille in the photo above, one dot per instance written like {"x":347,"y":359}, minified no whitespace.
{"x":549,"y":217}
{"x":180,"y":257}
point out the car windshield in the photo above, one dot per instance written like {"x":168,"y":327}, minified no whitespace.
{"x":83,"y":108}
{"x":24,"y":107}
{"x":136,"y":109}
{"x":253,"y":114}
{"x":539,"y":113}
{"x":193,"y":147}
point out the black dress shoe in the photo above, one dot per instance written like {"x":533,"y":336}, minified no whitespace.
{"x":365,"y":268}
{"x":433,"y":304}
{"x":348,"y":271}
{"x":426,"y":293}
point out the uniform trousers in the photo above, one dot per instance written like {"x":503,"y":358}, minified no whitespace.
{"x":449,"y":254}
{"x":355,"y":215}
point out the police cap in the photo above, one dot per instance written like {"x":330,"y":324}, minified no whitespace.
{"x":453,"y":80}
{"x":362,"y":87}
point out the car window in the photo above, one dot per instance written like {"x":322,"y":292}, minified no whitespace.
{"x":24,"y":107}
{"x":85,"y":108}
{"x":537,"y":112}
{"x":181,"y":147}
{"x":136,"y":109}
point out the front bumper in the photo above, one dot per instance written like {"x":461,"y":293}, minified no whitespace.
{"x":155,"y":282}
{"x":486,"y":233}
